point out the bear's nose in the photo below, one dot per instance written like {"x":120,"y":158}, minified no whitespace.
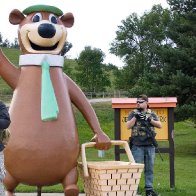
{"x":46,"y":30}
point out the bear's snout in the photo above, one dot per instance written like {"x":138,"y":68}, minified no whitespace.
{"x":46,"y":30}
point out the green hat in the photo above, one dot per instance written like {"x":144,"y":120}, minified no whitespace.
{"x":43,"y":8}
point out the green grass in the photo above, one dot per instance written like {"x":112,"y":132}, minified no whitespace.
{"x":185,"y":147}
{"x":12,"y":54}
{"x":185,"y":156}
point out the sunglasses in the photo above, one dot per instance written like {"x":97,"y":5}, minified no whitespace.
{"x":141,"y":101}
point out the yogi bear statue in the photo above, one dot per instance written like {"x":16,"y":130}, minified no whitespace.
{"x":44,"y":147}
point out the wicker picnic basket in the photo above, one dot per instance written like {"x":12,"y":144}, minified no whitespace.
{"x":110,"y":178}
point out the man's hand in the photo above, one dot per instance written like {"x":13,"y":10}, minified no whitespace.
{"x":137,"y":115}
{"x":142,"y":116}
{"x":102,"y":141}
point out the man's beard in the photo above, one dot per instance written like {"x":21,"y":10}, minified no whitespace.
{"x":140,"y":109}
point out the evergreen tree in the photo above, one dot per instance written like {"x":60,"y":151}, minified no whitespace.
{"x":67,"y":46}
{"x":6,"y":43}
{"x":1,"y":40}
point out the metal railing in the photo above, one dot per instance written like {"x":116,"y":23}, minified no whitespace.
{"x":6,"y":97}
{"x":113,"y":94}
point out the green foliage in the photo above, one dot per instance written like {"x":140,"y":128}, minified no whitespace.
{"x":186,"y":111}
{"x":182,"y":6}
{"x":91,"y":76}
{"x":159,"y":50}
{"x":110,"y":70}
{"x":67,"y":46}
{"x":1,"y":39}
{"x":139,"y":41}
{"x":70,"y":68}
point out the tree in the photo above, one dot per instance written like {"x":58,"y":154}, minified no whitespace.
{"x":6,"y":43}
{"x":183,"y":33}
{"x":182,"y":6}
{"x":15,"y":44}
{"x":1,"y":39}
{"x":67,"y":46}
{"x":159,"y":50}
{"x":139,"y":41}
{"x":90,"y":70}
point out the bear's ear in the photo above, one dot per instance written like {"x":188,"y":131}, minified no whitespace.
{"x":16,"y":17}
{"x":67,"y":19}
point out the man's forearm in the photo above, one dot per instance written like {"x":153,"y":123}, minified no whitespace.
{"x":131,"y":123}
{"x":156,"y":123}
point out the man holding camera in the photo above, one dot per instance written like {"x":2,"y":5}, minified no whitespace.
{"x":142,"y":121}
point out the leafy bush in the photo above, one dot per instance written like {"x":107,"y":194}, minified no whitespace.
{"x":186,"y":111}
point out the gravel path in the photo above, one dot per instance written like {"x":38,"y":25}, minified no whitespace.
{"x":2,"y":174}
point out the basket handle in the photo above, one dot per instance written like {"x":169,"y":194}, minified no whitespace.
{"x":113,"y":142}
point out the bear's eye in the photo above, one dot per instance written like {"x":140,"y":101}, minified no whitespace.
{"x":53,"y":19}
{"x":37,"y":17}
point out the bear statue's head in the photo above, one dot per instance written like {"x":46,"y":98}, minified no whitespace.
{"x":42,"y":29}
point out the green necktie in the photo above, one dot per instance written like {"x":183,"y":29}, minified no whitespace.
{"x":49,"y":106}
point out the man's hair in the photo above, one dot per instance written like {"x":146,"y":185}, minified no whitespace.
{"x":144,"y":97}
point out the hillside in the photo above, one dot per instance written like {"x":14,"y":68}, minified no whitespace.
{"x":13,"y":56}
{"x":70,"y":68}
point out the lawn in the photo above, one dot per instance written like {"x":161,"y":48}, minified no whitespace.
{"x":185,"y":156}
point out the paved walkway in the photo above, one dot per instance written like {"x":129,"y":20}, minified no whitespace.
{"x":48,"y":194}
{"x":100,"y":100}
{"x":44,"y":194}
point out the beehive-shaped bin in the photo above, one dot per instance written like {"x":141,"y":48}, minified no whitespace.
{"x":110,"y":178}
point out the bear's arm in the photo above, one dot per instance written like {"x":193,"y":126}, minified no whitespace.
{"x":81,"y":102}
{"x":79,"y":99}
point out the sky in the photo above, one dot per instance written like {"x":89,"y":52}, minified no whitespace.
{"x":96,"y":21}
